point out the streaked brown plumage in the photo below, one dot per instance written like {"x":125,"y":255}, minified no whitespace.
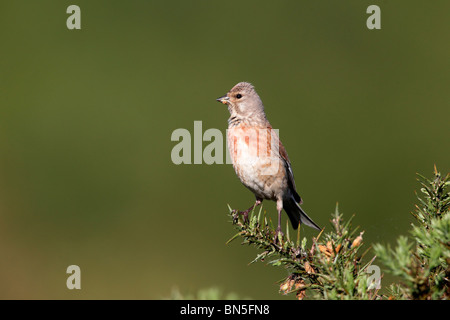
{"x":258,"y":156}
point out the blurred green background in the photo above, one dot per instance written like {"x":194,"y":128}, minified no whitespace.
{"x":86,"y":118}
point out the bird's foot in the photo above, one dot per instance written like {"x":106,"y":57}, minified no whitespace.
{"x":278,"y":235}
{"x":245,"y":213}
{"x":237,"y":213}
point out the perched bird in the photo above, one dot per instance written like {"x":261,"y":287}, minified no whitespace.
{"x":259,"y":157}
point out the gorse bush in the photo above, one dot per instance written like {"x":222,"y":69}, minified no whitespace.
{"x":422,"y":265}
{"x":330,"y":268}
{"x":334,"y":266}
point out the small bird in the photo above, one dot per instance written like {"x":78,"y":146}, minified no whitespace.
{"x":258,"y":156}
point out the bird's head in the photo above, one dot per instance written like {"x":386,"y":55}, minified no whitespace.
{"x":243,"y":101}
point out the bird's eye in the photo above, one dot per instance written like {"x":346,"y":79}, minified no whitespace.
{"x":238,"y":96}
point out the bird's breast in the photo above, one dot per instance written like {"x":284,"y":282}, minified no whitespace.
{"x":255,"y":157}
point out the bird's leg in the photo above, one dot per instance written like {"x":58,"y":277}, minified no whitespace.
{"x":279,"y":209}
{"x":278,"y":231}
{"x":245,"y":213}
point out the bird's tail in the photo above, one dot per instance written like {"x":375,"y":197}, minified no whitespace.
{"x":296,"y":214}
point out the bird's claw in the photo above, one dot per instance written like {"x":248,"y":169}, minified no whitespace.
{"x":235,"y":213}
{"x":278,"y":235}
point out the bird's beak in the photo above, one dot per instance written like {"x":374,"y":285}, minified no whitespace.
{"x":223,"y":99}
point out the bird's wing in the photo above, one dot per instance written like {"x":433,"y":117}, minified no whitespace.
{"x":287,"y":164}
{"x":290,"y":174}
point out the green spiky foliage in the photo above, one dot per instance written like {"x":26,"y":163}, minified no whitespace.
{"x":422,"y":263}
{"x":330,"y":268}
